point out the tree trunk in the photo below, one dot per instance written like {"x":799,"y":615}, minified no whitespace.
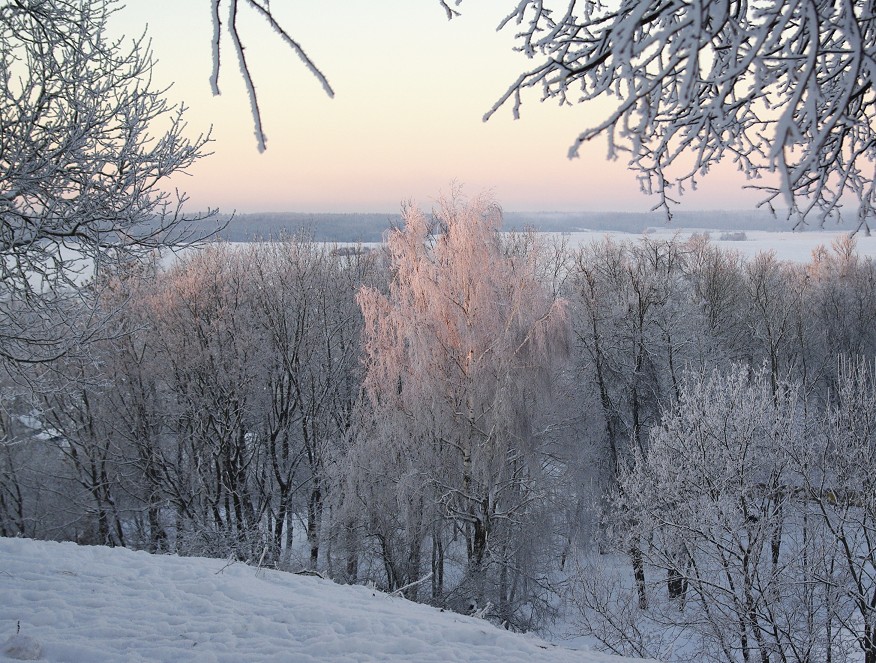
{"x":352,"y":566}
{"x":437,"y":565}
{"x":314,"y":515}
{"x":675,"y":584}
{"x":639,"y":575}
{"x":282,"y":525}
{"x":476,"y":561}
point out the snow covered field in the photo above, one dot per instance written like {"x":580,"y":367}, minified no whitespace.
{"x":791,"y":246}
{"x":87,"y":604}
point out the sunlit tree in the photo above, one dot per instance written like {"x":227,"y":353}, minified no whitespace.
{"x":458,"y":356}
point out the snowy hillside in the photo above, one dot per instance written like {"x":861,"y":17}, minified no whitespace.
{"x":90,"y":604}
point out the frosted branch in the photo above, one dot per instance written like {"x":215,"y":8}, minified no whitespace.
{"x":783,"y":90}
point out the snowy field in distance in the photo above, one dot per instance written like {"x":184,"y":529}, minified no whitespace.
{"x":790,"y":246}
{"x":84,"y":604}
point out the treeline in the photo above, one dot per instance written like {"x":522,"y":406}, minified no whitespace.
{"x":321,"y":226}
{"x":471,"y":418}
{"x":370,"y":227}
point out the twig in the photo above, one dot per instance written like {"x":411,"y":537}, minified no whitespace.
{"x":399,"y":591}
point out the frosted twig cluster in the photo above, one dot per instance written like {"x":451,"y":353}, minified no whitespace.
{"x":781,"y":89}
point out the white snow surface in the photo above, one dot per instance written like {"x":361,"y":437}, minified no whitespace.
{"x":790,"y":246}
{"x":72,"y":603}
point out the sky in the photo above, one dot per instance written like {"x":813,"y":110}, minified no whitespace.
{"x":411,"y":89}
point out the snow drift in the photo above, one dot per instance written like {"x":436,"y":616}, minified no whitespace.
{"x":63,"y":602}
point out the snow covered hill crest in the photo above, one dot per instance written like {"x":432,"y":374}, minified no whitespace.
{"x":63,"y":602}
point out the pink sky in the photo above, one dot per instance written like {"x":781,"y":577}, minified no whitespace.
{"x":411,"y":89}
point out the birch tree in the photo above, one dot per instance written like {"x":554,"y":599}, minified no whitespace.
{"x":458,"y":354}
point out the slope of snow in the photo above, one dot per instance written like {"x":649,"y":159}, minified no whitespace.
{"x":63,"y":602}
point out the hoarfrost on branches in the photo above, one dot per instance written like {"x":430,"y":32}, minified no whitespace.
{"x":459,"y":353}
{"x":264,"y":11}
{"x":782,"y":90}
{"x":81,"y":166}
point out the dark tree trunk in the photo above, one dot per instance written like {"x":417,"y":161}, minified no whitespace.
{"x":314,"y":515}
{"x":639,"y":575}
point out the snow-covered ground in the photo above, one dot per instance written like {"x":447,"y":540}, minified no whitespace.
{"x":791,"y":246}
{"x":63,"y":602}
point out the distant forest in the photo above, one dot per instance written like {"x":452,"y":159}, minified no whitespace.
{"x":369,"y":227}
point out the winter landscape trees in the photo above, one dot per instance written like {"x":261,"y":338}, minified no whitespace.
{"x":486,"y":421}
{"x":672,"y":439}
{"x":746,"y":499}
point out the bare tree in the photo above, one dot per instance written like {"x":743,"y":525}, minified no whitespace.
{"x":715,"y":498}
{"x":759,"y":508}
{"x":85,"y":145}
{"x":840,"y":305}
{"x":839,"y":482}
{"x":304,"y":308}
{"x":211,"y":354}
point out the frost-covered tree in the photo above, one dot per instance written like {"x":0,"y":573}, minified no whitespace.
{"x":86,"y":143}
{"x":305,"y":312}
{"x":715,"y":278}
{"x":206,"y":423}
{"x":210,"y":354}
{"x":630,"y":326}
{"x":459,"y":354}
{"x":632,"y":332}
{"x":773,"y":316}
{"x":840,"y":305}
{"x":715,"y":502}
{"x":78,"y":411}
{"x":755,"y":508}
{"x":839,"y":480}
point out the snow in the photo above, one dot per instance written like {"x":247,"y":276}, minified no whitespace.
{"x":22,"y":648}
{"x":63,"y":602}
{"x":790,"y":246}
